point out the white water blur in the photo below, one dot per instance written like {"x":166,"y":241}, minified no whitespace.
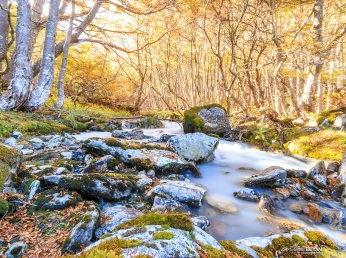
{"x":222,"y":178}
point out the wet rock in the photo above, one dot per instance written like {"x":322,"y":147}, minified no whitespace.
{"x":279,"y":203}
{"x":213,"y":119}
{"x":296,"y":173}
{"x":54,"y":200}
{"x":196,"y":147}
{"x":181,"y":244}
{"x":33,"y":189}
{"x":318,"y":168}
{"x":210,"y":212}
{"x":333,"y":167}
{"x":110,"y":187}
{"x":82,"y":233}
{"x":11,"y":141}
{"x":162,"y":161}
{"x":294,"y":189}
{"x":308,"y":195}
{"x":186,"y":192}
{"x":340,"y":120}
{"x":283,"y":193}
{"x":320,"y":180}
{"x":165,"y":137}
{"x":296,"y":207}
{"x":95,"y":128}
{"x":219,"y":204}
{"x":270,"y":177}
{"x":151,"y":122}
{"x":78,"y":155}
{"x":313,"y":211}
{"x":10,"y":160}
{"x":165,"y":205}
{"x":247,"y":194}
{"x":311,"y":185}
{"x":143,"y":181}
{"x":135,"y":134}
{"x":342,"y":178}
{"x":201,"y":222}
{"x":112,"y":217}
{"x":266,"y":204}
{"x":16,"y":134}
{"x":17,"y":249}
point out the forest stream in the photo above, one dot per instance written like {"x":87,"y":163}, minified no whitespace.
{"x":233,"y":163}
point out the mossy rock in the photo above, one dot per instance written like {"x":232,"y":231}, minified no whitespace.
{"x":4,"y":207}
{"x":164,"y":235}
{"x":196,"y":120}
{"x":178,"y":221}
{"x":231,"y":246}
{"x":10,"y":160}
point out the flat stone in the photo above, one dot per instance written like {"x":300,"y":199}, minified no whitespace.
{"x":270,"y":177}
{"x":221,"y":205}
{"x":296,"y":207}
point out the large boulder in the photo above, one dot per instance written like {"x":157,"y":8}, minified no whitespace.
{"x":110,"y":187}
{"x":135,"y":134}
{"x":270,"y":177}
{"x":146,"y":157}
{"x":186,"y":192}
{"x":10,"y":160}
{"x":114,"y":216}
{"x":342,"y":177}
{"x":340,"y":120}
{"x":196,"y":147}
{"x":318,"y":168}
{"x":207,"y":119}
{"x":156,"y":241}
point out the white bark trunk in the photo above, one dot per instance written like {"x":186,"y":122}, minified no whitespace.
{"x":18,"y":90}
{"x":3,"y":29}
{"x":41,"y":92}
{"x":61,"y":93}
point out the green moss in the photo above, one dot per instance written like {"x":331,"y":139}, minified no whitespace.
{"x":8,"y":160}
{"x":214,"y":253}
{"x":328,"y":242}
{"x":112,"y":163}
{"x":35,"y":127}
{"x":230,"y":246}
{"x":262,"y":253}
{"x":106,"y":235}
{"x":86,"y":220}
{"x":316,"y":237}
{"x":165,"y":235}
{"x":298,"y":240}
{"x":327,"y":114}
{"x":179,"y":221}
{"x":340,"y":190}
{"x":4,"y":207}
{"x":111,"y":248}
{"x":279,"y":244}
{"x":125,"y":145}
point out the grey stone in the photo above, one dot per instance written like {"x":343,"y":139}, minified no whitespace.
{"x":340,"y":120}
{"x":247,"y":194}
{"x":17,"y":249}
{"x":27,"y":151}
{"x":325,"y":123}
{"x":11,"y":141}
{"x":66,"y":154}
{"x":296,"y":173}
{"x":186,"y":192}
{"x":294,"y":189}
{"x":221,"y":205}
{"x":320,"y":180}
{"x":170,"y":205}
{"x":78,"y":155}
{"x":278,"y":203}
{"x":33,"y":189}
{"x":266,"y":205}
{"x":16,"y":134}
{"x":270,"y":177}
{"x":318,"y":168}
{"x":135,"y":134}
{"x":82,"y":233}
{"x":112,"y":217}
{"x":201,"y":221}
{"x":60,"y":170}
{"x":151,"y":173}
{"x":333,"y":167}
{"x":35,"y":140}
{"x":39,"y":146}
{"x":143,"y":181}
{"x":196,"y":147}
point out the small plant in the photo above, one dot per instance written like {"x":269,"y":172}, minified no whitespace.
{"x":165,"y":235}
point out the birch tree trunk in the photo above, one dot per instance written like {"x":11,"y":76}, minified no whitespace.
{"x":3,"y":30}
{"x":308,"y":98}
{"x":16,"y":94}
{"x":61,"y":93}
{"x":41,"y":92}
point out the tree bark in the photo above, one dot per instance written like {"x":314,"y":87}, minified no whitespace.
{"x":16,"y":94}
{"x":61,"y":94}
{"x":3,"y":29}
{"x":41,"y":92}
{"x":308,"y":98}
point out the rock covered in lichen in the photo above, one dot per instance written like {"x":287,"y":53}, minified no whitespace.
{"x":143,"y":157}
{"x":82,"y":233}
{"x":112,"y":217}
{"x":186,"y":192}
{"x":10,"y":160}
{"x":196,"y":147}
{"x":247,"y":194}
{"x":109,"y":186}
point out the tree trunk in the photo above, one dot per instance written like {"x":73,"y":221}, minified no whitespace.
{"x":17,"y":93}
{"x":319,"y":106}
{"x":307,"y":100}
{"x":3,"y":29}
{"x":74,"y":37}
{"x":61,"y":94}
{"x":41,"y":92}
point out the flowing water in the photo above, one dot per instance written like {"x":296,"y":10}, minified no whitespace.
{"x":222,"y":177}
